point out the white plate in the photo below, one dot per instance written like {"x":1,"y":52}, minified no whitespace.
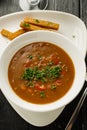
{"x":70,"y":26}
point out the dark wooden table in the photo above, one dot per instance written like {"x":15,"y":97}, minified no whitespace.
{"x":9,"y":119}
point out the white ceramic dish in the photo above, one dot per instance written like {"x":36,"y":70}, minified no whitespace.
{"x":41,"y":115}
{"x":70,"y":26}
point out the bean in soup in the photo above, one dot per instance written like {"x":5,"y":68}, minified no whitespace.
{"x":41,"y":73}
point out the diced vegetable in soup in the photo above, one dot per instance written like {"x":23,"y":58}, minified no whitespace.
{"x":41,"y":73}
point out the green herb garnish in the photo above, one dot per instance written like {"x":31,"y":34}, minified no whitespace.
{"x":26,"y":25}
{"x":37,"y":21}
{"x":53,"y":87}
{"x":50,"y":63}
{"x":42,"y":74}
{"x":42,"y":94}
{"x":30,"y":57}
{"x":30,"y":84}
{"x":39,"y":57}
{"x":49,"y":23}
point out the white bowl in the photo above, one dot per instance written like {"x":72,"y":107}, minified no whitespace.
{"x":41,"y":115}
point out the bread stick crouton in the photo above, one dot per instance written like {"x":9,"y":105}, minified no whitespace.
{"x":31,"y":27}
{"x":42,"y":23}
{"x":12,"y":35}
{"x":6,"y":33}
{"x":16,"y":33}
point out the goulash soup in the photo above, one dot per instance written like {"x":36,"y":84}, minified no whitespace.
{"x":41,"y":73}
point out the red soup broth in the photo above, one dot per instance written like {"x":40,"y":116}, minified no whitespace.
{"x":41,"y":73}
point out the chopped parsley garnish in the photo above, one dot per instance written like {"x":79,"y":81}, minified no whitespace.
{"x":26,"y":25}
{"x":53,"y":87}
{"x":50,"y":63}
{"x":50,"y":23}
{"x":30,"y":57}
{"x":42,"y":94}
{"x":37,"y":21}
{"x":30,"y":84}
{"x":39,"y":57}
{"x":42,"y":74}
